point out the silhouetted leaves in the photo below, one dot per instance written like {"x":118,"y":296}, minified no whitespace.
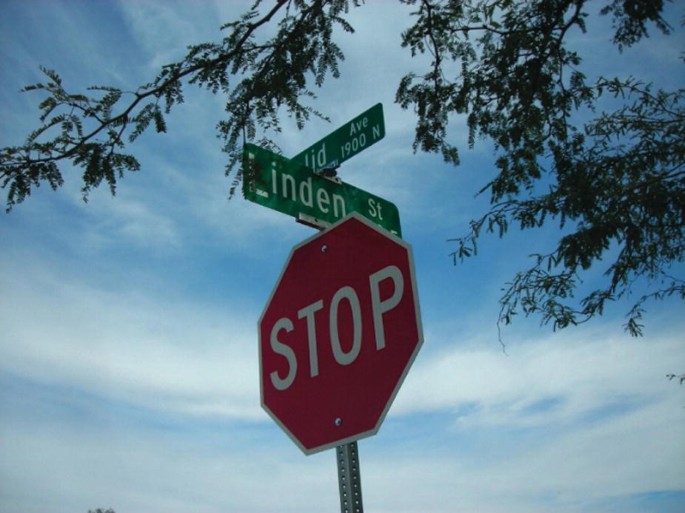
{"x":614,"y":184}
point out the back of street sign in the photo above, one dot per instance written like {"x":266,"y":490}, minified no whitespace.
{"x":274,"y":181}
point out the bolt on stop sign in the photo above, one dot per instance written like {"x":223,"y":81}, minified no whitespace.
{"x":338,"y":334}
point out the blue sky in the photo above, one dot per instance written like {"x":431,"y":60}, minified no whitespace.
{"x":128,"y":350}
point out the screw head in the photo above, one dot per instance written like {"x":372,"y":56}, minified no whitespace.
{"x":338,"y":422}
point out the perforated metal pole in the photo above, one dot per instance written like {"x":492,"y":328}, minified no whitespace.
{"x":349,"y":478}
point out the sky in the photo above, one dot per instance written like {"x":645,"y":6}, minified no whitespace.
{"x":129,"y":372}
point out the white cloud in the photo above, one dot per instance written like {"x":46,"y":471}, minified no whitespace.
{"x":557,"y":377}
{"x":150,"y":351}
{"x":130,"y":390}
{"x":159,"y":27}
{"x":65,"y":469}
{"x":578,"y":415}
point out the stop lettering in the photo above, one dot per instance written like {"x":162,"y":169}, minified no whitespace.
{"x":338,"y":334}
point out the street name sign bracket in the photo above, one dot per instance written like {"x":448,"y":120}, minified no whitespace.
{"x":312,"y":222}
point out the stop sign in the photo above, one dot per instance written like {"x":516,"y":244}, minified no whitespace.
{"x":338,"y":334}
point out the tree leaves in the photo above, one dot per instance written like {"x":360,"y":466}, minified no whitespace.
{"x":631,"y":18}
{"x":613,"y":184}
{"x":259,"y":79}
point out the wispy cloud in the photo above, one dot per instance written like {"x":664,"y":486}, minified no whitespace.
{"x":129,"y":366}
{"x":556,"y":378}
{"x":153,"y":352}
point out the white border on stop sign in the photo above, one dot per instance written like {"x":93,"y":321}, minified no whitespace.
{"x":401,"y":379}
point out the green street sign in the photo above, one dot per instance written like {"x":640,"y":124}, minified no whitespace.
{"x":345,"y":142}
{"x":276,"y":182}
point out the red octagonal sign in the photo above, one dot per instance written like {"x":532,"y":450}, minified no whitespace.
{"x":338,"y":334}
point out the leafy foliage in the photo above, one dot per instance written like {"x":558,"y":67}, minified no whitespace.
{"x":257,"y":78}
{"x":614,"y":184}
{"x":679,"y":377}
{"x":611,"y":181}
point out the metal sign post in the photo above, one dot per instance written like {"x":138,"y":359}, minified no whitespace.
{"x":358,"y":258}
{"x":349,"y":478}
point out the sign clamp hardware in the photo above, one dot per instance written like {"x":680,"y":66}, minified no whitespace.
{"x":312,"y":222}
{"x":330,"y":172}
